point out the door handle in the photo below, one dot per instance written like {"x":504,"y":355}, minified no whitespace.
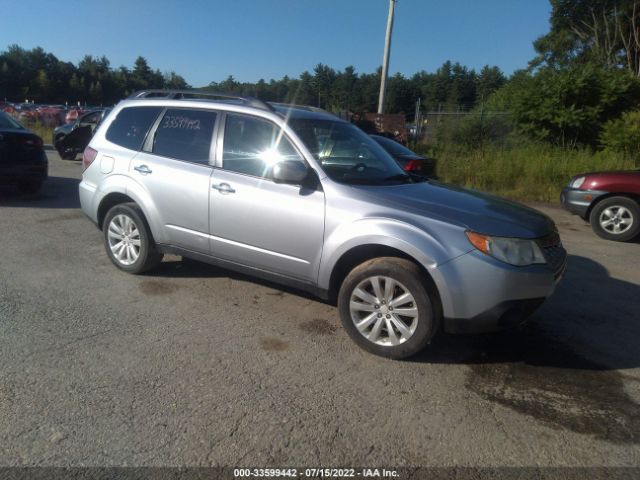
{"x":143,"y":169}
{"x":223,"y":188}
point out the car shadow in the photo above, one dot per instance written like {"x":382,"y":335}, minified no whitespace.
{"x":56,"y":192}
{"x":590,"y":322}
{"x":180,"y":267}
{"x":565,"y":368}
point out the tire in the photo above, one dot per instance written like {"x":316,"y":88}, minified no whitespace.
{"x":423,"y":314}
{"x":616,"y":218}
{"x":30,"y":187}
{"x":126,"y":223}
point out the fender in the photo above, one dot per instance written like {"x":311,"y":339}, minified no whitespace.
{"x":425,"y":248}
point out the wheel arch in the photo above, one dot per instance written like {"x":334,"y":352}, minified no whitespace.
{"x":633,"y":196}
{"x":362,"y":253}
{"x":108,"y":202}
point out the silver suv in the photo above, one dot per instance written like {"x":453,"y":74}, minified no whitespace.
{"x":297,"y":196}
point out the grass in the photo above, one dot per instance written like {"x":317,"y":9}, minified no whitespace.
{"x":530,"y":172}
{"x":41,"y":130}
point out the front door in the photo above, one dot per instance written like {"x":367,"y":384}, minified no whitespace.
{"x":255,"y":221}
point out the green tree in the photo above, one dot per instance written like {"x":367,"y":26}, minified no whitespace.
{"x":568,"y":106}
{"x":489,"y":80}
{"x":606,"y":32}
{"x":623,"y":135}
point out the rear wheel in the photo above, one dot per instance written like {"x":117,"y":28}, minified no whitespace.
{"x":616,"y":218}
{"x":128,"y":239}
{"x":387,"y":307}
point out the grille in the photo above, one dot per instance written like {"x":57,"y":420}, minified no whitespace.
{"x":555,"y":253}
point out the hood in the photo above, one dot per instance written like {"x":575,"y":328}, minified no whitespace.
{"x":610,"y":172}
{"x":480,"y":212}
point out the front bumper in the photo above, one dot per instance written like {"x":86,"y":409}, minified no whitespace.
{"x":578,"y":201}
{"x":482,"y":294}
{"x":504,"y":315}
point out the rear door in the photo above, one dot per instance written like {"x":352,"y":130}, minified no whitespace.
{"x":174,"y":168}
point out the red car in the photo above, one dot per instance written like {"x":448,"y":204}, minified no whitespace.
{"x":610,"y":201}
{"x":72,"y":115}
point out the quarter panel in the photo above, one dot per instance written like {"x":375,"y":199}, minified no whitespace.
{"x":124,"y":185}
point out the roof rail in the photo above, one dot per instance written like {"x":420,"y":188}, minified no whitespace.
{"x":187,"y":94}
{"x":308,"y":108}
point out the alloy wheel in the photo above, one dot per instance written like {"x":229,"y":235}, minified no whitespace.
{"x":616,"y":219}
{"x":384,"y":311}
{"x":124,"y":239}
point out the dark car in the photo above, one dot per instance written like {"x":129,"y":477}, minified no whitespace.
{"x":22,"y":158}
{"x":610,"y":201}
{"x":72,"y":138}
{"x":408,"y":160}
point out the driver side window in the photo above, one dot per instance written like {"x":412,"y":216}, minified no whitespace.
{"x":252,"y":146}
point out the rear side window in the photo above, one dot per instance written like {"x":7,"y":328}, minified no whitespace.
{"x":131,"y":126}
{"x":185,"y":134}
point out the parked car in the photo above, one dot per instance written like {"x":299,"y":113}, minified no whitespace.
{"x":408,"y":160}
{"x":72,"y":115}
{"x":51,"y":116}
{"x":305,"y":199}
{"x":72,"y":138}
{"x":27,"y":113}
{"x":23,"y":161}
{"x":610,"y":201}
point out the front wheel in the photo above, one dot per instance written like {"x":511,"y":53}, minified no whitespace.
{"x":128,"y":240}
{"x":616,"y":218}
{"x":388,"y":307}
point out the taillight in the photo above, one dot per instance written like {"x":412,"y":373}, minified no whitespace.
{"x":88,"y":156}
{"x":33,"y":141}
{"x":413,"y":166}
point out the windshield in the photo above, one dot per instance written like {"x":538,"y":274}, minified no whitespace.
{"x":347,"y":154}
{"x":7,"y":122}
{"x":392,"y":146}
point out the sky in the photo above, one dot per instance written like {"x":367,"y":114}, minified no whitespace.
{"x":207,"y":41}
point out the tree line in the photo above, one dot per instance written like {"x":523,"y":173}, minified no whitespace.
{"x":40,"y":76}
{"x":581,"y":89}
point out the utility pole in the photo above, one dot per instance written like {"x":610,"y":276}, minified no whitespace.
{"x":385,"y":58}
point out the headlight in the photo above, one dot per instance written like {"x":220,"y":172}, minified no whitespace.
{"x":577,"y":182}
{"x":514,"y":251}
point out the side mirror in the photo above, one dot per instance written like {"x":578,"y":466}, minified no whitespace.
{"x":290,"y":171}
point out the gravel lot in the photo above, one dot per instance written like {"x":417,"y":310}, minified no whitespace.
{"x":192,"y":365}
